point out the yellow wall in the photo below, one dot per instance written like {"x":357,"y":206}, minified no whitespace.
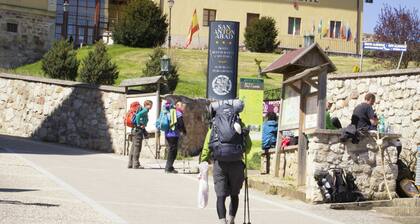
{"x":37,"y":7}
{"x":280,"y":10}
{"x":31,"y":4}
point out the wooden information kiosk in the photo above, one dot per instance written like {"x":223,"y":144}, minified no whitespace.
{"x":304,"y":91}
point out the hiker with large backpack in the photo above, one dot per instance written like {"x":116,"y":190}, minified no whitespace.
{"x":138,"y":124}
{"x":172,"y":123}
{"x":226,"y":144}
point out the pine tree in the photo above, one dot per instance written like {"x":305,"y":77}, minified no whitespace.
{"x":142,"y":24}
{"x":97,"y":67}
{"x":260,"y":35}
{"x":153,"y":69}
{"x":60,"y":61}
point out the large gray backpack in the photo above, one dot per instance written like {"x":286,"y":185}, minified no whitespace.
{"x":226,"y":144}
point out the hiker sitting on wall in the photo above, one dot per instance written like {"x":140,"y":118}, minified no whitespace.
{"x":269,"y":137}
{"x":364,"y":116}
{"x":331,"y":122}
{"x":139,"y":132}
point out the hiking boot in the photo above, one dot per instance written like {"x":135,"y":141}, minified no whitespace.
{"x":130,"y":166}
{"x":222,"y":221}
{"x":138,"y":167}
{"x":231,"y":220}
{"x":171,"y":171}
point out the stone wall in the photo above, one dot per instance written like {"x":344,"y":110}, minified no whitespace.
{"x":35,"y":32}
{"x":60,"y":111}
{"x":363,"y":161}
{"x":397,"y":98}
{"x":196,"y":123}
{"x":288,"y":164}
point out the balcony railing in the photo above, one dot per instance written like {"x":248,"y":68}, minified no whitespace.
{"x":328,"y":44}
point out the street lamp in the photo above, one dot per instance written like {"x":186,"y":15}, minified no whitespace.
{"x":170,"y":4}
{"x":65,"y":18}
{"x":165,"y":64}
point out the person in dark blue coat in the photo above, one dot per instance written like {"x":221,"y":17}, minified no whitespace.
{"x":269,"y":136}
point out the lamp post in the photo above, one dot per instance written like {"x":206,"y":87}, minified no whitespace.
{"x":165,"y":64}
{"x":170,"y":4}
{"x":65,"y":18}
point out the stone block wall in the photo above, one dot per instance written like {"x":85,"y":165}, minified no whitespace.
{"x":35,"y":33}
{"x":363,"y":161}
{"x":196,"y":123}
{"x":289,"y":164}
{"x":397,"y":98}
{"x":65,"y":112}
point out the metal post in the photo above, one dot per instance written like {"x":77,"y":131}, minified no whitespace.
{"x":157,"y":133}
{"x":65,"y":19}
{"x":361,"y":58}
{"x":169,"y":34}
{"x":359,"y":29}
{"x":401,"y":57}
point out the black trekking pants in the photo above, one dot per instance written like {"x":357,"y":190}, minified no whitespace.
{"x":137,"y":140}
{"x":172,"y":153}
{"x":228,"y":179}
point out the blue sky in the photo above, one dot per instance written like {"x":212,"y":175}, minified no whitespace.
{"x":371,"y":11}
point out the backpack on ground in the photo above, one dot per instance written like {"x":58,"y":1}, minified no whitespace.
{"x":163,"y":123}
{"x":130,"y":116}
{"x":338,"y":186}
{"x":226,"y":143}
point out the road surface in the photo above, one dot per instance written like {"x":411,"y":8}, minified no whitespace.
{"x":50,"y":183}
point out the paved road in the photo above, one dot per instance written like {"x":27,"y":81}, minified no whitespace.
{"x":71,"y":185}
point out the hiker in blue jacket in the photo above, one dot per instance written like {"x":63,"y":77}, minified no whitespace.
{"x":138,"y":133}
{"x":172,"y":135}
{"x":269,"y":137}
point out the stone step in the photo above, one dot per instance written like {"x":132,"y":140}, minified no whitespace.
{"x":363,"y":205}
{"x":275,"y":188}
{"x":406,"y":202}
{"x":407,"y":219}
{"x":398,"y":211}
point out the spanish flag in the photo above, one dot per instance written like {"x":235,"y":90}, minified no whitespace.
{"x":194,"y":27}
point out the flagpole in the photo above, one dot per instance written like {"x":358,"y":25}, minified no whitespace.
{"x":199,"y":42}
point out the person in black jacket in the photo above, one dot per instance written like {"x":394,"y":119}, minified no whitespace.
{"x":365,"y":115}
{"x":172,"y":137}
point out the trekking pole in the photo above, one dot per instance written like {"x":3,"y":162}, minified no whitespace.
{"x":146,"y":143}
{"x":245,"y":203}
{"x":246,"y":196}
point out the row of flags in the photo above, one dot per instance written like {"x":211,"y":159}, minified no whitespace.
{"x":344,"y":31}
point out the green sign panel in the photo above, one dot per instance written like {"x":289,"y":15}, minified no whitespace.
{"x":252,"y":93}
{"x":255,"y":84}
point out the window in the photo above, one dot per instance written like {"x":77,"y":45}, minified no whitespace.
{"x":294,"y":26}
{"x":12,"y":27}
{"x":208,"y":16}
{"x":335,"y":29}
{"x":251,"y":17}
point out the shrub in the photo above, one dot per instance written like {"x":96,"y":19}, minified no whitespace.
{"x":97,"y":67}
{"x":153,"y":69}
{"x":60,"y":61}
{"x":142,"y":24}
{"x":260,"y":36}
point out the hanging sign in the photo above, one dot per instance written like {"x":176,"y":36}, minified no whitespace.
{"x":222,"y":67}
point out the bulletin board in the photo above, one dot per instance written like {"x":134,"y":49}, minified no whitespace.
{"x":290,"y":109}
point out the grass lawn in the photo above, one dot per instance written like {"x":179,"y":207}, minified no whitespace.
{"x":192,"y":66}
